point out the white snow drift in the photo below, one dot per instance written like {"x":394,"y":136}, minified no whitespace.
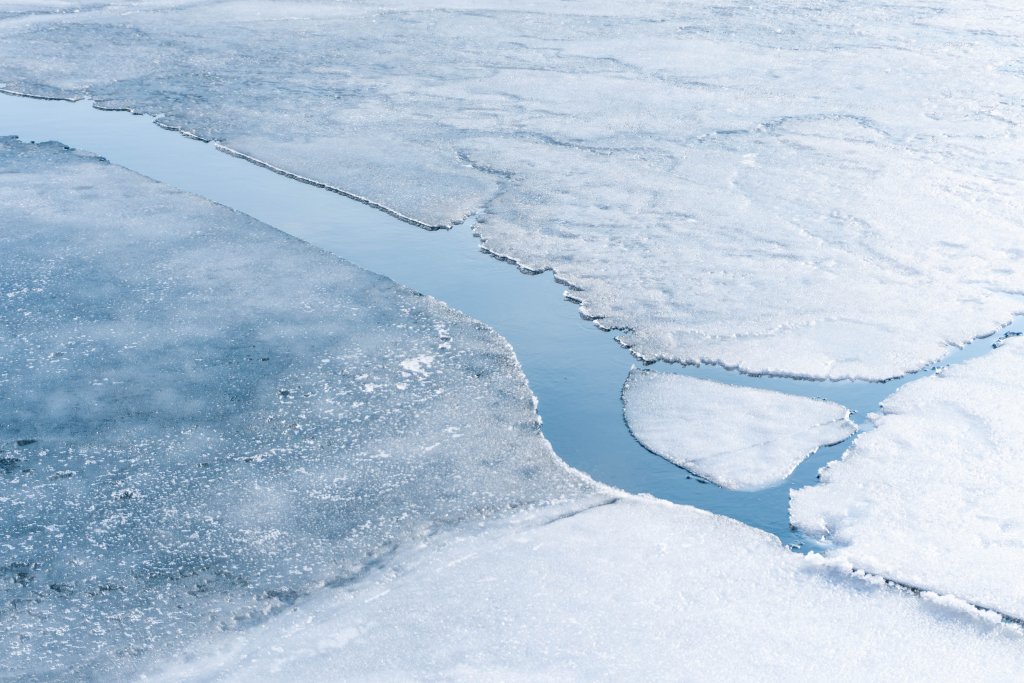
{"x":738,"y":437}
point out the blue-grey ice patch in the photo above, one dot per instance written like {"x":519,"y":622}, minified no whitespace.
{"x":932,"y":497}
{"x":828,"y":189}
{"x":203,"y":420}
{"x":738,"y":437}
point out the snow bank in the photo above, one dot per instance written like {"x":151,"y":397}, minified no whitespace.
{"x":738,"y":437}
{"x":932,"y":497}
{"x":824,"y":189}
{"x":636,"y":590}
{"x":203,"y":420}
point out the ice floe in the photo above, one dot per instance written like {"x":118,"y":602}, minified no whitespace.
{"x":738,"y":437}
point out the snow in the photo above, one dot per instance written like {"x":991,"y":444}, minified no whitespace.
{"x":932,"y":497}
{"x":186,"y":444}
{"x":417,"y":366}
{"x":823,"y":189}
{"x":634,"y":590}
{"x":738,"y":437}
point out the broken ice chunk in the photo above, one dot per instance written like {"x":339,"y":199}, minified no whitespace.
{"x":738,"y":437}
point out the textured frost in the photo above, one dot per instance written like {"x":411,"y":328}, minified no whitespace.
{"x":202,"y":419}
{"x":637,"y":590}
{"x":932,"y":497}
{"x":738,"y":437}
{"x":828,"y":189}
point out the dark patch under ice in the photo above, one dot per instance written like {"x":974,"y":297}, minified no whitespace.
{"x":575,"y":370}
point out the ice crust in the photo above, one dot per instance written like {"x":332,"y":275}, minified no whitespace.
{"x":932,"y":497}
{"x":824,"y":189}
{"x":202,"y":420}
{"x":738,"y":437}
{"x":635,"y":590}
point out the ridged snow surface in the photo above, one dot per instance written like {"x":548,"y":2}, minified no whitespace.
{"x":933,"y":497}
{"x":817,"y":188}
{"x":738,"y":437}
{"x":202,"y":420}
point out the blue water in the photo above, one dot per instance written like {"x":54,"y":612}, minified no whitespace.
{"x":576,"y":370}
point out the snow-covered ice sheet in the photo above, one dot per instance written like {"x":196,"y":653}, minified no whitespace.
{"x":635,"y":590}
{"x":738,"y":437}
{"x":203,"y":419}
{"x":828,"y":189}
{"x":933,"y":497}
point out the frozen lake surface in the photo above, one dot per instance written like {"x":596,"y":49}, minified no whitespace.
{"x":821,"y":188}
{"x":575,"y":370}
{"x":242,"y":456}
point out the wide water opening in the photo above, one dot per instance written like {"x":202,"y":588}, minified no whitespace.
{"x":575,"y":369}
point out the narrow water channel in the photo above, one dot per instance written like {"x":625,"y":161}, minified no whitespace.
{"x":576,"y":370}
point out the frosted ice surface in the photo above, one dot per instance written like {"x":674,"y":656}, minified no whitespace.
{"x":828,"y":189}
{"x":636,"y":590}
{"x":932,"y":497}
{"x":738,"y":437}
{"x":203,"y":420}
